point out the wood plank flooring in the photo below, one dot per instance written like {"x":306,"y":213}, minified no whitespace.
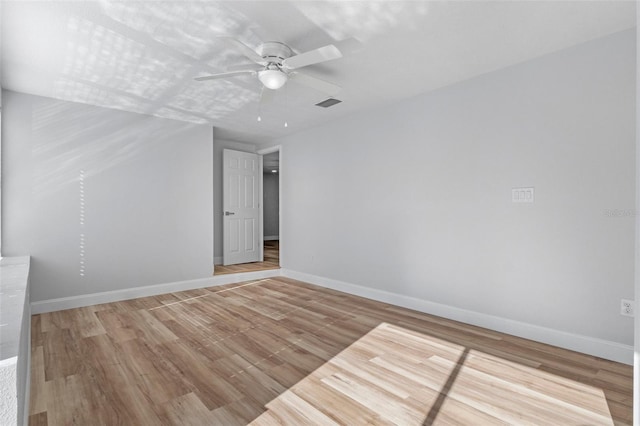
{"x":271,"y":261}
{"x":278,"y":351}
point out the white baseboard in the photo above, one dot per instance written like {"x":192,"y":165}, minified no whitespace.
{"x":585,"y":344}
{"x":576,"y":342}
{"x":63,"y":303}
{"x":217,"y":260}
{"x":272,"y":238}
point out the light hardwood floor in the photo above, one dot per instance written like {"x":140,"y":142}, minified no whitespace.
{"x":271,"y":261}
{"x":278,"y":351}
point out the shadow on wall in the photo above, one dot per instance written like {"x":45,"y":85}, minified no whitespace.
{"x":102,"y":199}
{"x":69,"y":138}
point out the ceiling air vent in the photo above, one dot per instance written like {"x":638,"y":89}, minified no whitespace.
{"x":329,"y":102}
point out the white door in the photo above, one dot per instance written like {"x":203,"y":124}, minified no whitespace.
{"x":242,"y":207}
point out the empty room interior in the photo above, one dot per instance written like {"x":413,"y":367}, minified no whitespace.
{"x":319,"y":213}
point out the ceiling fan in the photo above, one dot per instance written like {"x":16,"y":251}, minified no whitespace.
{"x":276,"y":64}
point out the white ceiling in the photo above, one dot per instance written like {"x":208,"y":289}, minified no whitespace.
{"x":142,"y":56}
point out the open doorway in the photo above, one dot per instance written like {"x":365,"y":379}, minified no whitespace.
{"x":271,"y":206}
{"x":270,"y":218}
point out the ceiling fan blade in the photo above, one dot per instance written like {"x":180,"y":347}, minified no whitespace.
{"x":311,"y":57}
{"x":315,"y":83}
{"x":244,"y":49}
{"x":224,"y":75}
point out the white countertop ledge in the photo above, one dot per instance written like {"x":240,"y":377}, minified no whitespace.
{"x":14,"y":274}
{"x":15,"y":320}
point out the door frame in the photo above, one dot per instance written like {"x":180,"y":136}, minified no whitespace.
{"x":276,"y":148}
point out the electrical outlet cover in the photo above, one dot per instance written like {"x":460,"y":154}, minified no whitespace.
{"x":627,"y":307}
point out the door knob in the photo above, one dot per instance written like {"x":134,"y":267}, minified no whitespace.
{"x":228,"y":213}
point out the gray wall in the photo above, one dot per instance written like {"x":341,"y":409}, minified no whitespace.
{"x":271,"y":203}
{"x":636,"y":359}
{"x":148,"y":196}
{"x":423,"y":193}
{"x":219,"y":146}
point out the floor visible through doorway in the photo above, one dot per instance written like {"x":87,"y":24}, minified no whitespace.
{"x":271,"y":261}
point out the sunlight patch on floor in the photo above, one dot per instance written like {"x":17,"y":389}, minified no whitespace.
{"x":396,"y":375}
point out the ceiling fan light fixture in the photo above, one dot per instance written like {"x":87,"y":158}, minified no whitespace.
{"x":272,"y":79}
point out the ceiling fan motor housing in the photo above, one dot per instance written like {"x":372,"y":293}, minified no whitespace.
{"x":275,"y":52}
{"x":279,"y":62}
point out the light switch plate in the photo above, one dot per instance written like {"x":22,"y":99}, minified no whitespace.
{"x":522,"y":195}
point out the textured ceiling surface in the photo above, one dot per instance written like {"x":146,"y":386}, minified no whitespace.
{"x":142,"y":56}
